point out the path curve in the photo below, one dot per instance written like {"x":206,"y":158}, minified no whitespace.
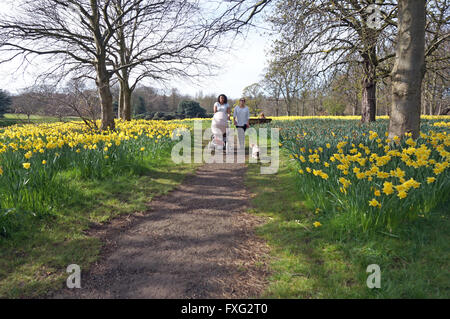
{"x":196,"y":242}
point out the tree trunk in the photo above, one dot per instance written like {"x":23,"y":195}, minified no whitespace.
{"x":120,"y":108}
{"x":433,"y":94}
{"x":369,"y":88}
{"x":126,"y":94}
{"x":106,"y":100}
{"x":103,"y":76}
{"x":408,"y":70}
{"x":123,"y":74}
{"x":104,"y":91}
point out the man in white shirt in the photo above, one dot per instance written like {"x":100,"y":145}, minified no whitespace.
{"x":241,"y":118}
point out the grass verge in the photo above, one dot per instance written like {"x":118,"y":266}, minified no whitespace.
{"x":312,"y":262}
{"x":34,"y":259}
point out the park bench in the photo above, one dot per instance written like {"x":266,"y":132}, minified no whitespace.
{"x":259,"y":121}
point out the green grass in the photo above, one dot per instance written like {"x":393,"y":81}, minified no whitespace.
{"x":311,"y":262}
{"x":33,"y":259}
{"x":11,"y":119}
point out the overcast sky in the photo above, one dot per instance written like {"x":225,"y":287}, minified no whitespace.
{"x":242,"y":66}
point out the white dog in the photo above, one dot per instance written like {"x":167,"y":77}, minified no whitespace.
{"x":255,"y":151}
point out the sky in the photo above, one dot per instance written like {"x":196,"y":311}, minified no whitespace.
{"x":242,"y":66}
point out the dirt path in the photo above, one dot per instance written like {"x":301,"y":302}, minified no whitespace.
{"x":196,"y":242}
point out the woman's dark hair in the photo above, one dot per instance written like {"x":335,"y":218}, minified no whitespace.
{"x":225,"y":98}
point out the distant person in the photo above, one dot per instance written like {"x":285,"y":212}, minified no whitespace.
{"x":241,"y":117}
{"x":262,"y":116}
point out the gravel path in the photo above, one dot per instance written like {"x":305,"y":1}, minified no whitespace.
{"x":196,"y":242}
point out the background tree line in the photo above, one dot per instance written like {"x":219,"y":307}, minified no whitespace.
{"x":78,"y":100}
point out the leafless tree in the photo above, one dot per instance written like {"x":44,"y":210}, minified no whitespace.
{"x":102,"y":38}
{"x":337,"y":32}
{"x":159,"y":40}
{"x":349,"y":31}
{"x":272,"y":87}
{"x":288,"y":79}
{"x":25,"y":103}
{"x":74,"y":34}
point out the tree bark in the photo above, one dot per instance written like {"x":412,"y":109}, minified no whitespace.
{"x":103,"y":85}
{"x":103,"y":76}
{"x":126,"y":95}
{"x":369,"y":87}
{"x":433,"y":95}
{"x":120,"y":108}
{"x":408,"y":70}
{"x":124,"y":75}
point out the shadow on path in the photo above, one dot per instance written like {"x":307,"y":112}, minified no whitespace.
{"x":196,"y":242}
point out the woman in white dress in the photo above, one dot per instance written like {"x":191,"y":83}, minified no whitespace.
{"x":222,"y":106}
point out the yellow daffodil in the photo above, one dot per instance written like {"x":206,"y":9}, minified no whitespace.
{"x":374,"y":203}
{"x":402,"y":194}
{"x":388,"y":188}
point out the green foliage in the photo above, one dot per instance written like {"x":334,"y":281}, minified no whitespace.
{"x":191,"y":109}
{"x":5,"y":102}
{"x":33,"y":259}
